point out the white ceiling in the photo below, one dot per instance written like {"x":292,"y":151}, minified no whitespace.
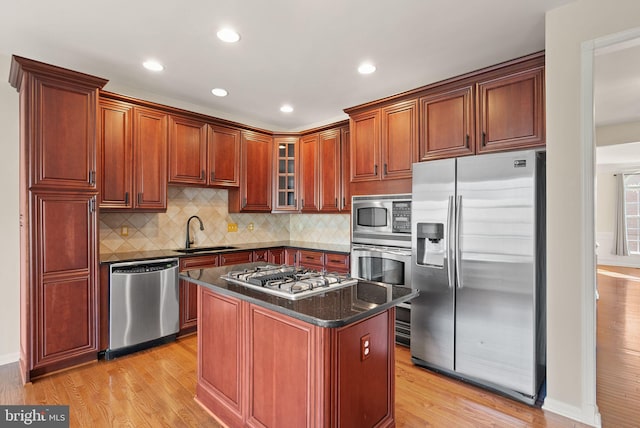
{"x":300,"y":52}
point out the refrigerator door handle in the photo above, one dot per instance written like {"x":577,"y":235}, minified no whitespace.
{"x":458,"y":251}
{"x":450,"y":247}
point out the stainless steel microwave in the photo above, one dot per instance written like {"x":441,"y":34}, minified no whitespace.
{"x":381,"y":220}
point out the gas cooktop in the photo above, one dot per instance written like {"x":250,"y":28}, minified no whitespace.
{"x":290,"y":282}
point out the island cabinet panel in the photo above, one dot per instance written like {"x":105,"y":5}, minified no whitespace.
{"x":274,"y":400}
{"x":261,"y":368}
{"x":447,"y":124}
{"x":115,"y":144}
{"x":150,"y":159}
{"x":511,"y":111}
{"x":187,"y":151}
{"x":222,"y":384}
{"x":223,"y":156}
{"x":364,"y":399}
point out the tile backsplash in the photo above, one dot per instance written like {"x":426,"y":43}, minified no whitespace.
{"x":155,"y":231}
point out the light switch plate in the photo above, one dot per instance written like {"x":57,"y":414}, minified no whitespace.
{"x":232,"y":227}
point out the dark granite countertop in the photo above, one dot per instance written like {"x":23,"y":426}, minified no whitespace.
{"x":335,"y":308}
{"x":168,"y":253}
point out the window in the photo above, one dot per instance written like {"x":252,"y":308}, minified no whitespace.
{"x":632,"y":211}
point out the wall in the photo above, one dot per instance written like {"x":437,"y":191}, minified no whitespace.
{"x":567,"y":28}
{"x":152,"y":231}
{"x":9,"y":214}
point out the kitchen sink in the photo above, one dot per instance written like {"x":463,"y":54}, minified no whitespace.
{"x":204,"y":249}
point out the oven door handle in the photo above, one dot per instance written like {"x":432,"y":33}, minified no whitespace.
{"x":383,"y":251}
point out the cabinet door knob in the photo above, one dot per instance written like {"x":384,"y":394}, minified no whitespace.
{"x":139,"y":198}
{"x":213,"y":176}
{"x":375,"y":169}
{"x":484,"y":138}
{"x":244,"y":202}
{"x":126,"y":198}
{"x":385,"y":169}
{"x":202,"y":175}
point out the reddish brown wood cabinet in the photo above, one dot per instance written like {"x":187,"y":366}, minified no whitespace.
{"x":58,"y":225}
{"x":257,"y":367}
{"x":286,"y":174}
{"x":345,"y":178}
{"x":187,"y":151}
{"x":329,"y":172}
{"x":223,"y":149}
{"x":254,"y":194}
{"x":384,"y":142}
{"x":277,"y":256}
{"x":511,"y":111}
{"x":116,"y":149}
{"x":309,"y":173}
{"x":188,"y":296}
{"x":133,"y":146}
{"x":150,"y":159}
{"x":236,"y":257}
{"x":447,"y":124}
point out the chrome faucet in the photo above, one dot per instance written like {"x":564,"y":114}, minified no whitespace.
{"x":189,"y":242}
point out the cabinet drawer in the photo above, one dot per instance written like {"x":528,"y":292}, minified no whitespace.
{"x":260,"y":255}
{"x":236,"y":258}
{"x":311,"y":258}
{"x":202,"y":262}
{"x":337,"y":262}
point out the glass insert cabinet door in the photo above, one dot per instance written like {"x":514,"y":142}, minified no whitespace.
{"x":286,"y":195}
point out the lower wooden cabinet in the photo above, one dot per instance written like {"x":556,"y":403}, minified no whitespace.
{"x":277,"y":256}
{"x":188,"y":293}
{"x":237,"y":257}
{"x":260,"y":368}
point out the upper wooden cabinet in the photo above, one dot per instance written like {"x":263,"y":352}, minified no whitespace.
{"x":256,"y":163}
{"x":329,"y":170}
{"x":223,"y":161}
{"x":447,"y":124}
{"x":511,"y":111}
{"x":309,"y":173}
{"x":494,"y":109}
{"x":116,"y":160}
{"x":62,"y":117}
{"x":287,"y":158}
{"x":202,"y":154}
{"x":150,"y":159}
{"x":345,"y":174}
{"x":187,"y":151}
{"x":133,"y":145}
{"x":384,"y":142}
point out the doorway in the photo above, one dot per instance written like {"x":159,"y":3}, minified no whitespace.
{"x":616,"y":99}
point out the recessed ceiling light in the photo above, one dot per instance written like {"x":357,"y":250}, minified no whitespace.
{"x":153,"y":65}
{"x":366,"y":68}
{"x":286,"y":108}
{"x":228,"y":35}
{"x":219,"y":92}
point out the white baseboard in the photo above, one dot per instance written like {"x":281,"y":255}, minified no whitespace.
{"x":585,"y":416}
{"x":9,"y":358}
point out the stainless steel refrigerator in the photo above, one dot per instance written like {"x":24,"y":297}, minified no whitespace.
{"x":478,"y":259}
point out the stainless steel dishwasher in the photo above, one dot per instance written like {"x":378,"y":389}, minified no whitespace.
{"x":143,"y":305}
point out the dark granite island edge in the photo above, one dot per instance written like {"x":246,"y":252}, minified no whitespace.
{"x":334,"y":308}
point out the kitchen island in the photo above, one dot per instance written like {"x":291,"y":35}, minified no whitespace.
{"x":325,"y":360}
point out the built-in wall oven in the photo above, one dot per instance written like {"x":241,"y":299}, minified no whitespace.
{"x":381,"y":247}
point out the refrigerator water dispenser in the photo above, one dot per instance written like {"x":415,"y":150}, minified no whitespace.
{"x":431,"y":249}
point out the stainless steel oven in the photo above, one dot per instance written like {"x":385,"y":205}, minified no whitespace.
{"x":381,"y":247}
{"x":381,"y":220}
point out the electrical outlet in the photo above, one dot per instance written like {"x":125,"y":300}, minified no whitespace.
{"x":232,"y":227}
{"x":250,"y":227}
{"x":365,"y":347}
{"x":124,"y":231}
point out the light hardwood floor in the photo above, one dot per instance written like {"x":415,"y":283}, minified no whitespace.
{"x":618,"y":346}
{"x":156,"y":387}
